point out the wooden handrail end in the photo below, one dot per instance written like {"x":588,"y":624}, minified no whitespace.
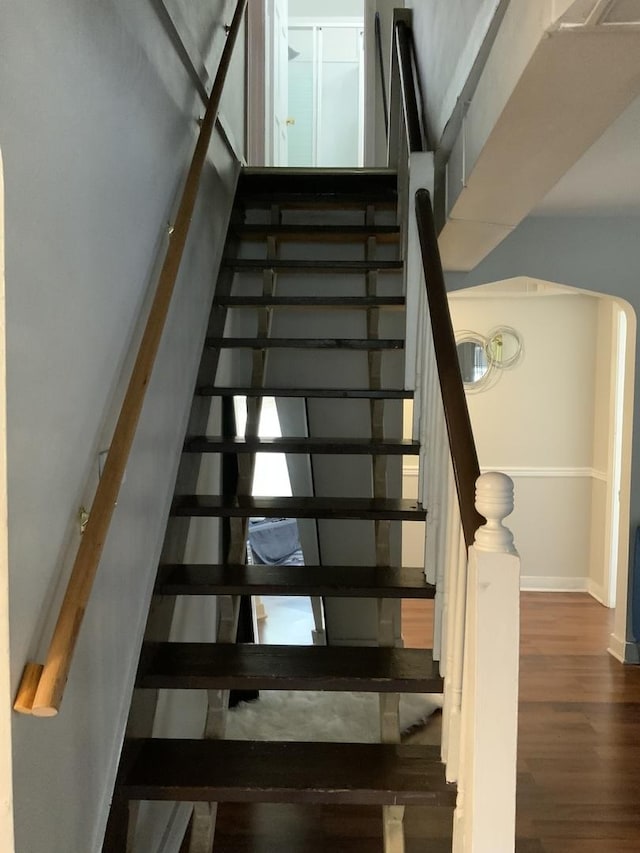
{"x":44,"y":711}
{"x":42,"y":687}
{"x":27,"y":689}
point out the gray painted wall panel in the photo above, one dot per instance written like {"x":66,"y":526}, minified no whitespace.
{"x":448,"y":37}
{"x":98,"y":125}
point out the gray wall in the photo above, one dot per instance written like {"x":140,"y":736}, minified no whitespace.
{"x":99,"y":109}
{"x":448,"y":37}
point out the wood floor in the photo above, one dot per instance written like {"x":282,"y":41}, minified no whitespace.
{"x":579,"y":751}
{"x":579,"y":742}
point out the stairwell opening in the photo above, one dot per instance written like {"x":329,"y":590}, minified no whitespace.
{"x":276,"y":541}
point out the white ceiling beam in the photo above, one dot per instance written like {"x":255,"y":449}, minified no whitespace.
{"x":566,"y":92}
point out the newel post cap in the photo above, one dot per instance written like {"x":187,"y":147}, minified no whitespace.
{"x":494,"y":500}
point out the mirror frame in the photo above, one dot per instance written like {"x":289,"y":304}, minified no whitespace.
{"x":468,"y":337}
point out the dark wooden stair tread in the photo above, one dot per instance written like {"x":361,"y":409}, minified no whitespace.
{"x":330,"y":393}
{"x":400,"y":509}
{"x":270,"y":181}
{"x":306,"y":343}
{"x":310,"y":301}
{"x":318,"y":201}
{"x":314,"y":233}
{"x":338,"y":581}
{"x":329,"y":188}
{"x":326,"y":267}
{"x":210,"y":666}
{"x":245,"y":771}
{"x":302,"y":444}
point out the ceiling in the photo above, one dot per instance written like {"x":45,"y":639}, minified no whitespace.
{"x":552,"y":128}
{"x":605,"y":181}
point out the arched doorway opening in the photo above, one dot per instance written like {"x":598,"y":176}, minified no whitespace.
{"x":560,"y":423}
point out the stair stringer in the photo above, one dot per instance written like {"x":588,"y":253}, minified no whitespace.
{"x":154,"y":826}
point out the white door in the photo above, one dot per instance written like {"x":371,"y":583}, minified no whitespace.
{"x":279,"y":86}
{"x":326,"y":94}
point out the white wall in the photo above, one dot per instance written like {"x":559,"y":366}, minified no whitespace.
{"x":536,"y":423}
{"x":548,"y":423}
{"x":332,"y":9}
{"x":99,"y":121}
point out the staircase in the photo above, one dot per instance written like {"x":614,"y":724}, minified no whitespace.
{"x":308,"y":309}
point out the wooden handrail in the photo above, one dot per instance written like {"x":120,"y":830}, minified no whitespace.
{"x":461,"y":443}
{"x":41,"y":689}
{"x":403,"y":40}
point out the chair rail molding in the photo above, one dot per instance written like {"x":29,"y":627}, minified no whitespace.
{"x":540,"y":471}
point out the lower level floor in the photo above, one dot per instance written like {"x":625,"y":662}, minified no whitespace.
{"x":579,"y":751}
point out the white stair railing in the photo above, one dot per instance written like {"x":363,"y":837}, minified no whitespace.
{"x":476,"y":625}
{"x":476,"y":632}
{"x":472,"y":561}
{"x":484,"y":820}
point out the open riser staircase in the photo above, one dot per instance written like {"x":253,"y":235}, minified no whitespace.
{"x":308,"y":309}
{"x":330,"y":299}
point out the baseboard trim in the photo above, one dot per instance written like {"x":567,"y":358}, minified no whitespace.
{"x":535,"y":583}
{"x":616,"y":647}
{"x":623,"y":651}
{"x":597,"y":591}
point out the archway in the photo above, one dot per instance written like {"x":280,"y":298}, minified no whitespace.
{"x":560,"y":423}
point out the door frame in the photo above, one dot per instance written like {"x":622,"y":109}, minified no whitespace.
{"x":619,"y":644}
{"x":257,"y":83}
{"x":614,"y":462}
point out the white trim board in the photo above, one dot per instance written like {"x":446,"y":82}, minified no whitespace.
{"x":553,"y":583}
{"x":539,"y":472}
{"x":411,"y":470}
{"x":596,"y":590}
{"x":623,"y":651}
{"x":489,"y":291}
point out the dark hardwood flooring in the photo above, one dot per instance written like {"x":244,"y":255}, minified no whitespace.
{"x":579,"y":737}
{"x":579,"y":752}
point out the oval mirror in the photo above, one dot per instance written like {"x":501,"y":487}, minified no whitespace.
{"x":472,"y":356}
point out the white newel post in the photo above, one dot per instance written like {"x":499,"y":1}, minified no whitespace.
{"x":484,"y":821}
